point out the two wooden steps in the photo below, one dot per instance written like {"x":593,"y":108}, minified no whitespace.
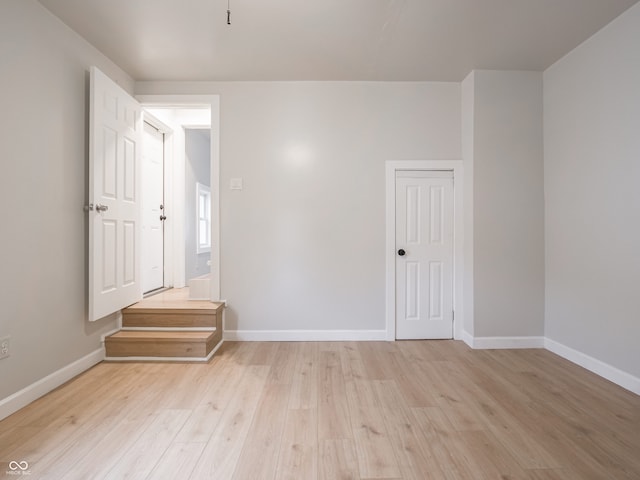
{"x":186,"y":331}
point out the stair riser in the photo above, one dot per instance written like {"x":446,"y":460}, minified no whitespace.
{"x":168,"y":320}
{"x":146,"y":349}
{"x":131,"y":348}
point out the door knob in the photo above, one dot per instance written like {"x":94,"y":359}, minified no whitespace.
{"x":401,"y":252}
{"x":101,"y":208}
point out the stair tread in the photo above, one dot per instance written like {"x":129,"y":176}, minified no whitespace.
{"x":185,"y":307}
{"x":156,"y":335}
{"x":170,"y":311}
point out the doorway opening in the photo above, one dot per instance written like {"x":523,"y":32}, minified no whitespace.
{"x":418,"y":168}
{"x":189,"y":213}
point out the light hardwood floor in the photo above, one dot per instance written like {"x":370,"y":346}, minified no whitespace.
{"x":403,"y":410}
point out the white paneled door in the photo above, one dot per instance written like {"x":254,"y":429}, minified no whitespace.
{"x":153,"y":213}
{"x":115,"y":135}
{"x":424,"y":254}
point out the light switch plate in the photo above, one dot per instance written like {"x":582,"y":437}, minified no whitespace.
{"x":5,"y":347}
{"x":235,"y":184}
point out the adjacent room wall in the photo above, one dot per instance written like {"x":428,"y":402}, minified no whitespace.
{"x":467,"y":99}
{"x":503,"y":146}
{"x":592,"y":196}
{"x":303,"y":242}
{"x":198,"y":170}
{"x":43,"y":187}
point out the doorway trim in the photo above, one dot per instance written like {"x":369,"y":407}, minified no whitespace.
{"x":455,"y":166}
{"x":213,"y":101}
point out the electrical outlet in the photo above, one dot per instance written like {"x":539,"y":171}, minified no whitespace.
{"x":5,"y":347}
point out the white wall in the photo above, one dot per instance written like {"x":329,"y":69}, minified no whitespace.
{"x":503,"y":145}
{"x":303,"y":242}
{"x":592,"y":196}
{"x":467,"y":100}
{"x":43,"y":186}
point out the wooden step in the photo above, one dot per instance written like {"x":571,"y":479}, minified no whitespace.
{"x":154,"y":343}
{"x":199,"y":314}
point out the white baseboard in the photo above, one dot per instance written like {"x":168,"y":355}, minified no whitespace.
{"x":168,"y":329}
{"x":467,"y":338}
{"x":613,"y":374}
{"x":24,"y":397}
{"x":488,"y":343}
{"x":305,"y":335}
{"x":623,"y":379}
{"x":109,"y":333}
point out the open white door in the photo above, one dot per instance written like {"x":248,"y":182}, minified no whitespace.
{"x":424,"y":257}
{"x":153,"y":210}
{"x":115,"y":139}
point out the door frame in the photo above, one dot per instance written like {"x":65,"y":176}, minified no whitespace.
{"x":213,"y":101}
{"x":455,"y":166}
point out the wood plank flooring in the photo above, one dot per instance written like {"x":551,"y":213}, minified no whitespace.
{"x":171,"y":299}
{"x":335,"y":410}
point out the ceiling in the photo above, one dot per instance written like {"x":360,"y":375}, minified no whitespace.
{"x":412,"y":40}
